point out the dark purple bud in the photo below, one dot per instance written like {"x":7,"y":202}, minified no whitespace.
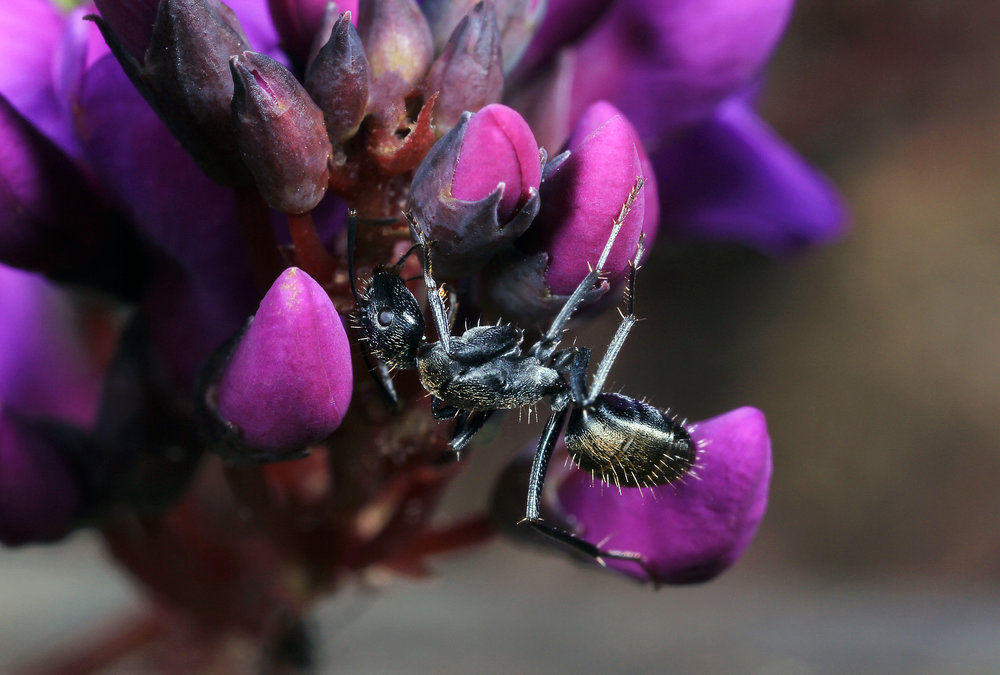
{"x":582,"y":195}
{"x":396,"y":38}
{"x":298,"y":21}
{"x":338,"y":80}
{"x":731,"y":178}
{"x":288,"y":381}
{"x":469,"y":72}
{"x":516,"y":21}
{"x":41,"y":496}
{"x":477,"y":189}
{"x":185,"y":78}
{"x":131,"y":21}
{"x":280,"y":133}
{"x":694,"y":528}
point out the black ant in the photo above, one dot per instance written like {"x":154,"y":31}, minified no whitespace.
{"x":619,"y":439}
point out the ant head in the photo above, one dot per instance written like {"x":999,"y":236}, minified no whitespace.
{"x":391,"y":319}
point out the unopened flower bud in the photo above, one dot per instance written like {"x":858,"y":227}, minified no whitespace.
{"x":131,"y":21}
{"x":298,"y":21}
{"x":396,"y":38}
{"x":288,"y":380}
{"x":185,"y":78}
{"x":477,"y":189}
{"x":338,"y":80}
{"x":469,"y":72}
{"x":592,"y":119}
{"x":581,"y":199}
{"x":41,"y":496}
{"x":280,"y":133}
{"x":516,"y":21}
{"x":694,"y":528}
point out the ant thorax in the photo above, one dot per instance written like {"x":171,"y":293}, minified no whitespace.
{"x":485,"y":370}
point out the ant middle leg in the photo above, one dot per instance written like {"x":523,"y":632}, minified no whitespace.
{"x":435,"y":297}
{"x":547,"y":345}
{"x":378,"y":370}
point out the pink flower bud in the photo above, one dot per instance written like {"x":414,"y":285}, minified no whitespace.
{"x":477,"y":189}
{"x":581,"y":201}
{"x":288,"y":382}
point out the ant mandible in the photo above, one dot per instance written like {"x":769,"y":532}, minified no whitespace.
{"x":619,"y":439}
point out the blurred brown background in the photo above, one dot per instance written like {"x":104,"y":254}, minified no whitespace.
{"x":877,"y":362}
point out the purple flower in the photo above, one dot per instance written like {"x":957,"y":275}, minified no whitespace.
{"x":46,"y":368}
{"x":731,"y":178}
{"x":191,"y":161}
{"x":288,"y":381}
{"x":690,"y":60}
{"x":693,"y":529}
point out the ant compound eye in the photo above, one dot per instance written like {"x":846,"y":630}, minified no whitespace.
{"x":385,"y":318}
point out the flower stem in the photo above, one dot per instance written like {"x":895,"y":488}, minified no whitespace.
{"x":262,"y":247}
{"x":312,"y":255}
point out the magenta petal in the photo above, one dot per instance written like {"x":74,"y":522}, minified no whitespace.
{"x":255,"y":18}
{"x":45,"y":368}
{"x":188,"y":216}
{"x":31,"y":31}
{"x":694,"y":529}
{"x":498,"y":148}
{"x":731,"y":178}
{"x":581,"y":201}
{"x":666,"y":63}
{"x":288,"y":382}
{"x":592,"y":118}
{"x":39,"y":494}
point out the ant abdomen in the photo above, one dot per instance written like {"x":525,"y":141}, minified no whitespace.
{"x":628,"y":443}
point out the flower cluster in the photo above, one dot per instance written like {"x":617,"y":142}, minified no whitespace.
{"x":175,"y":366}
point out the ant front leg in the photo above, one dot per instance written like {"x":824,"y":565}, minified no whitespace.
{"x":434,"y":294}
{"x":533,"y":516}
{"x":378,"y":370}
{"x":544,"y":348}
